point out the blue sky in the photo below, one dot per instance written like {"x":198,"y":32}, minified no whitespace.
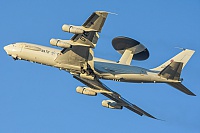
{"x":39,"y":99}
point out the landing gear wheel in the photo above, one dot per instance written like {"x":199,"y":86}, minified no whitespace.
{"x":82,"y":71}
{"x":15,"y":58}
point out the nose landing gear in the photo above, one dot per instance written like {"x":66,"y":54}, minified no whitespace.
{"x":15,"y":57}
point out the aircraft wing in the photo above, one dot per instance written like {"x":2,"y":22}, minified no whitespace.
{"x":95,"y":22}
{"x":81,"y":55}
{"x":98,"y":85}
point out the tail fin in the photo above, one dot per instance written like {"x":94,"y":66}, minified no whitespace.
{"x":172,"y":71}
{"x":172,"y":68}
{"x":182,"y":57}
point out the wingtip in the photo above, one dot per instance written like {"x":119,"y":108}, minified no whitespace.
{"x":148,"y":115}
{"x":192,"y":94}
{"x":160,"y":120}
{"x":155,"y":118}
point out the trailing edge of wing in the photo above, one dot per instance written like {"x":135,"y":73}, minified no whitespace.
{"x":96,"y":84}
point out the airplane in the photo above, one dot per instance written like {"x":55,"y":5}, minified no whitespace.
{"x":77,"y":58}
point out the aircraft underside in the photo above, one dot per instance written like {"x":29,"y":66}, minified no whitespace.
{"x":77,"y":58}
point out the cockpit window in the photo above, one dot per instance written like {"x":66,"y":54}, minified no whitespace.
{"x":32,"y":48}
{"x":21,"y":45}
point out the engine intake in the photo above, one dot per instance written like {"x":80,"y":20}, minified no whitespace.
{"x":111,"y":104}
{"x":85,"y":90}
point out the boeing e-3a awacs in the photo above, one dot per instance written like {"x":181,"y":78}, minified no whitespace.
{"x":77,"y":58}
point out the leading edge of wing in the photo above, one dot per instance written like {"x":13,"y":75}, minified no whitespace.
{"x":96,"y":84}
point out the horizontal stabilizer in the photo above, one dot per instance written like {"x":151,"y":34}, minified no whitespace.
{"x":182,"y":88}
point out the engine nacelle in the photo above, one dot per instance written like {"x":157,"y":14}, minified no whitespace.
{"x":72,"y":29}
{"x":86,"y":91}
{"x":111,"y":104}
{"x":61,"y":43}
{"x":85,"y":76}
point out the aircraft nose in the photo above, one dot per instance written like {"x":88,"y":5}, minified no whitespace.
{"x":6,"y":48}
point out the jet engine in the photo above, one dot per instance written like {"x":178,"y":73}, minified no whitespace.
{"x":86,"y":91}
{"x":111,"y":104}
{"x":72,"y":29}
{"x":61,"y":43}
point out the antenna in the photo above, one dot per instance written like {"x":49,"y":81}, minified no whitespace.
{"x":180,"y":48}
{"x":108,"y":12}
{"x":112,"y":13}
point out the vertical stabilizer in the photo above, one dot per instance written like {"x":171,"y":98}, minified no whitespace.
{"x":172,"y":71}
{"x":183,"y":57}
